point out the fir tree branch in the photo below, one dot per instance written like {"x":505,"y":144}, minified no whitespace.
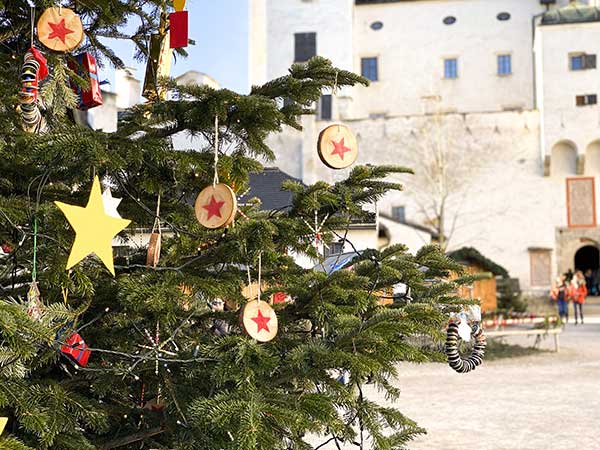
{"x":132,"y":438}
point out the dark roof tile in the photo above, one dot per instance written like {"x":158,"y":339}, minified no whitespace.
{"x":266,"y":186}
{"x":572,"y":13}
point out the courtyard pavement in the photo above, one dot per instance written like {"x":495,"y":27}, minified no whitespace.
{"x":546,"y":401}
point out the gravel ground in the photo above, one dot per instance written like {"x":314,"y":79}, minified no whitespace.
{"x":545,"y":401}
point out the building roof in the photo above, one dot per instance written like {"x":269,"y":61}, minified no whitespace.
{"x":471,"y":255}
{"x":266,"y":186}
{"x":416,"y":226}
{"x":572,"y":13}
{"x":196,"y":77}
{"x":334,"y":263}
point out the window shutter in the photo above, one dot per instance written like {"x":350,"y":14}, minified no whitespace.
{"x":580,"y":100}
{"x":368,"y":68}
{"x":590,"y":61}
{"x":577,"y":62}
{"x":326,"y":104}
{"x":399,"y":213}
{"x":305,"y":46}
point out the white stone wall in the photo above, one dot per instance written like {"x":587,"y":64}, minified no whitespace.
{"x":361,"y":239}
{"x":127,"y":87}
{"x":104,"y":117}
{"x":563,"y":121}
{"x":398,"y":232}
{"x":504,"y":207}
{"x":257,"y":42}
{"x":414,"y":41}
{"x":330,"y":19}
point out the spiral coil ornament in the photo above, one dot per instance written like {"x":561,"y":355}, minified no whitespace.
{"x":34,"y":70}
{"x":457,"y":362}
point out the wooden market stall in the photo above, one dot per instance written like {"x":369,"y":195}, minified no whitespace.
{"x":484,"y":290}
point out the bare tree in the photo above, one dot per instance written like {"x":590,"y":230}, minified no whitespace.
{"x":444,"y":160}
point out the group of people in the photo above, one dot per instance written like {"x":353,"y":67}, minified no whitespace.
{"x":570,"y":289}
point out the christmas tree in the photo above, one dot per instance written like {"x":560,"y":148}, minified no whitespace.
{"x":170,"y":363}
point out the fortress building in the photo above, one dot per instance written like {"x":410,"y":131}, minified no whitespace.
{"x":494,"y":103}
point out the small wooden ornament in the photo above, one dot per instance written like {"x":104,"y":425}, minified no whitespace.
{"x":3,"y":422}
{"x":216,"y":206}
{"x":34,"y":301}
{"x":154,"y":246}
{"x":259,"y":321}
{"x":337,"y":146}
{"x":60,"y":29}
{"x":156,"y":405}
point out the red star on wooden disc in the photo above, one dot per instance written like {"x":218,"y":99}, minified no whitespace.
{"x":339,"y":148}
{"x":262,"y":322}
{"x":59,"y":30}
{"x":213,"y":207}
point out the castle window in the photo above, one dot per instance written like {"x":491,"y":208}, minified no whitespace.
{"x":335,"y":248}
{"x":504,"y":65}
{"x":449,"y":20}
{"x":540,"y":266}
{"x":376,"y":26}
{"x":503,"y":16}
{"x":325,"y":107}
{"x":585,"y":100}
{"x":450,"y":68}
{"x":581,"y":61}
{"x":368,"y":68}
{"x":305,"y":46}
{"x":399,"y":213}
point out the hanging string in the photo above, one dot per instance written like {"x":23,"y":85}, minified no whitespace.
{"x":32,"y":23}
{"x":158,"y":214}
{"x":34,"y":269}
{"x":259,"y":278}
{"x":216,"y":178}
{"x":259,"y":275}
{"x":249,"y":280}
{"x":335,"y":88}
{"x":335,"y":83}
{"x":156,"y":226}
{"x":156,"y":342}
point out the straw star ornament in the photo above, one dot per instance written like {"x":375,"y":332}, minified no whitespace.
{"x":94,"y":229}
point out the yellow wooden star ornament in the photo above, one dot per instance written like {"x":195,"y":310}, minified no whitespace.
{"x":94,"y":229}
{"x":3,"y":422}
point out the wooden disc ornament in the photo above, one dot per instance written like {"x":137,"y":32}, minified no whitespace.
{"x":337,"y":146}
{"x":216,"y":206}
{"x":153,"y":253}
{"x":60,"y":29}
{"x":259,"y":321}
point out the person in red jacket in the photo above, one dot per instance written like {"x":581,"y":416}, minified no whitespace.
{"x":579,"y":294}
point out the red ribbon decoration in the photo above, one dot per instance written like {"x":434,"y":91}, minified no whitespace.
{"x":178,"y":22}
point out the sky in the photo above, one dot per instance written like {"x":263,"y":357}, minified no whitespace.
{"x":220,"y":29}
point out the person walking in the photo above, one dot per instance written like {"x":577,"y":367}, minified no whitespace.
{"x":580,"y":293}
{"x":559,"y":294}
